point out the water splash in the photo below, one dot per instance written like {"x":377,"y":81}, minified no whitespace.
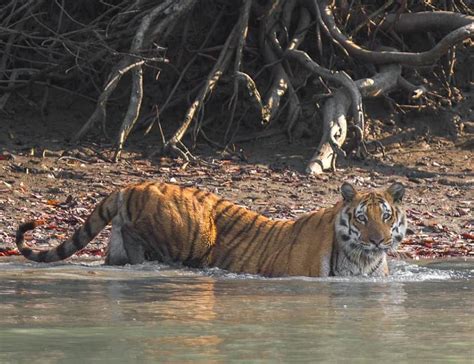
{"x":401,"y":271}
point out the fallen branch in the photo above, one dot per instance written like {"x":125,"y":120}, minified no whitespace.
{"x":414,"y":91}
{"x":341,"y":78}
{"x":403,"y":58}
{"x":426,"y":21}
{"x":335,"y":115}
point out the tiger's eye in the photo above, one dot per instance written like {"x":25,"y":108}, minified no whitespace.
{"x":361,"y":218}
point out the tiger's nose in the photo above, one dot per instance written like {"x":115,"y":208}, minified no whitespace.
{"x":376,"y":241}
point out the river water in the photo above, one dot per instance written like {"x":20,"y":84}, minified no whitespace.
{"x":88,"y":313}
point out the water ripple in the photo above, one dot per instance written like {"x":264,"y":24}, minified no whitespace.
{"x":401,"y":271}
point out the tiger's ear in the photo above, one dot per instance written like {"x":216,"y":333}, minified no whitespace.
{"x":396,"y":190}
{"x":348,"y":192}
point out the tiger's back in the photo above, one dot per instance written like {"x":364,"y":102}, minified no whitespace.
{"x":168,"y":223}
{"x":200,"y":229}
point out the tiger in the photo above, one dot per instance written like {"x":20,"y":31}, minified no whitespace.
{"x":195,"y":228}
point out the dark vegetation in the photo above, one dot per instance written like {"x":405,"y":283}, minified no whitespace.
{"x":226,"y":71}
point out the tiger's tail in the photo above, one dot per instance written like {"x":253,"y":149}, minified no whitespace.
{"x":102,"y":215}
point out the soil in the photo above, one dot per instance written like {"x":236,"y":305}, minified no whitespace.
{"x":44,"y":177}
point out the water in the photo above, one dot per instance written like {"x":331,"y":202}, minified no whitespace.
{"x":87,"y":313}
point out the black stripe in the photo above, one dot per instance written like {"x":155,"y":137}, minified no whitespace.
{"x":167,"y":240}
{"x":374,"y":269}
{"x":304,"y":223}
{"x":157,"y":223}
{"x":22,"y":229}
{"x":205,"y":256}
{"x":271,"y":231}
{"x":196,"y":238}
{"x":108,"y":215}
{"x":204,"y":196}
{"x":239,"y":239}
{"x":343,"y":222}
{"x":191,"y":250}
{"x":196,"y":192}
{"x":275,"y":258}
{"x":128,"y":205}
{"x":191,"y":236}
{"x":42,"y":255}
{"x":76,"y":241}
{"x":158,"y":227}
{"x":229,"y":224}
{"x":301,"y":224}
{"x":26,"y":252}
{"x":149,"y":185}
{"x":149,"y":229}
{"x":252,"y":243}
{"x":61,"y":251}
{"x":334,"y":258}
{"x":140,"y":202}
{"x":220,"y":214}
{"x":247,"y":227}
{"x":349,"y":258}
{"x":19,"y":236}
{"x":88,"y":229}
{"x":266,"y":239}
{"x":349,"y":215}
{"x":227,"y":244}
{"x":27,"y":226}
{"x":100,"y":209}
{"x":295,"y":239}
{"x":169,"y":247}
{"x":233,"y":220}
{"x":271,"y":240}
{"x":158,"y":250}
{"x":153,"y":229}
{"x":177,"y":201}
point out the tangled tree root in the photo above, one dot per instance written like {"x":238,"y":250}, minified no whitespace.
{"x":267,"y":55}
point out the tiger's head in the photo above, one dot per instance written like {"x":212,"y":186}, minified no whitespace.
{"x":371,"y":222}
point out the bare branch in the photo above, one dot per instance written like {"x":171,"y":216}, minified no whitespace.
{"x":341,"y":78}
{"x":403,"y":58}
{"x":415,"y":91}
{"x":425,"y":21}
{"x":335,"y":115}
{"x":219,"y":67}
{"x":242,"y":35}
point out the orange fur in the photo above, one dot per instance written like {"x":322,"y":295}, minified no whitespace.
{"x":168,"y":223}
